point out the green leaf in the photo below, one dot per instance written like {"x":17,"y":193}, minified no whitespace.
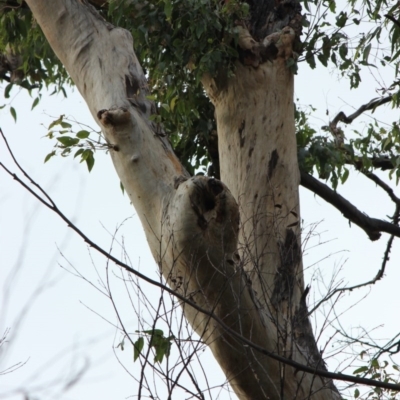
{"x":65,"y":125}
{"x":47,"y":158}
{"x":168,"y":9}
{"x":359,"y":370}
{"x":68,"y":141}
{"x":154,"y":332}
{"x":366,"y":52}
{"x":56,"y":122}
{"x":343,"y":51}
{"x":341,"y":19}
{"x":35,"y":103}
{"x":90,"y":160}
{"x":122,"y":187}
{"x":13,"y":113}
{"x":83,"y":134}
{"x":80,"y":151}
{"x":356,"y":393}
{"x":345,"y":175}
{"x":137,"y":348}
{"x":7,"y":90}
{"x":375,"y":363}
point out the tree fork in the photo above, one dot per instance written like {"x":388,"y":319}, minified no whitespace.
{"x":191,"y":224}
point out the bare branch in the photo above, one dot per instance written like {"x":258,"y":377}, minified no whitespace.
{"x":384,"y":186}
{"x":372,"y":226}
{"x":372,"y":105}
{"x":377,"y":277}
{"x":300,"y":367}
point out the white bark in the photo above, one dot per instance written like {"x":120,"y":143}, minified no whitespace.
{"x":192,"y":225}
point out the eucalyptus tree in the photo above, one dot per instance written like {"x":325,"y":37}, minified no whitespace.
{"x":195,"y":103}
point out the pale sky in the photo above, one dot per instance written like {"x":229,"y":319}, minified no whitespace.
{"x":63,"y":328}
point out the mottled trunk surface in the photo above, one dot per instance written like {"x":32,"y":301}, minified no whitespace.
{"x":192,"y":224}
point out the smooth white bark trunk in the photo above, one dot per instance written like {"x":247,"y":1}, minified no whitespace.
{"x":192,"y":225}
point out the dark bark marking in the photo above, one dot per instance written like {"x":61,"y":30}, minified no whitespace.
{"x":241,"y":129}
{"x":292,"y":224}
{"x":132,"y":87}
{"x":304,"y":336}
{"x":285,"y":278}
{"x":273,"y":161}
{"x":251,"y":151}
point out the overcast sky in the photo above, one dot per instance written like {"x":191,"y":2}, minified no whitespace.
{"x":59,"y":323}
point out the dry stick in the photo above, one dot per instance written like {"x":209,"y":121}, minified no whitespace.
{"x":372,"y":226}
{"x":372,"y":105}
{"x":379,"y":275}
{"x":300,"y":367}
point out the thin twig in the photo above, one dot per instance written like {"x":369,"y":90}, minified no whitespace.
{"x":384,"y":186}
{"x":372,"y":226}
{"x":372,"y":105}
{"x":297,"y":366}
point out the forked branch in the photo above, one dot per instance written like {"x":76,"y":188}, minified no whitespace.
{"x":372,"y":226}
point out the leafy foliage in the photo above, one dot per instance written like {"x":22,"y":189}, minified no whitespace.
{"x":382,"y":371}
{"x":21,"y":35}
{"x":178,"y":41}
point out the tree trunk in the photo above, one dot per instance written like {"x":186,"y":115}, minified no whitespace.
{"x":249,"y":274}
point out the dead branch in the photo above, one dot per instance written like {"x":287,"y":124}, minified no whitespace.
{"x":372,"y":226}
{"x":372,"y":105}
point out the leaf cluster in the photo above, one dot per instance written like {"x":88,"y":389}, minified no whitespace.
{"x":363,"y":150}
{"x":177,"y":42}
{"x":21,"y":36}
{"x":68,"y":141}
{"x":160,"y":344}
{"x":380,"y":371}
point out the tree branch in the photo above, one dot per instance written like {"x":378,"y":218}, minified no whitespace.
{"x":300,"y":367}
{"x":384,"y":186}
{"x":372,"y":226}
{"x":372,"y":105}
